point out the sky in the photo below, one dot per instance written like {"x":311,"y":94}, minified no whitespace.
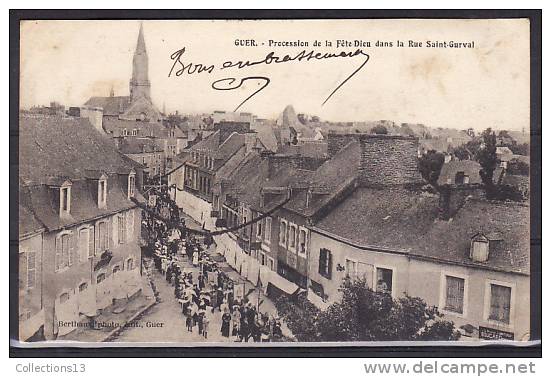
{"x":486,"y":86}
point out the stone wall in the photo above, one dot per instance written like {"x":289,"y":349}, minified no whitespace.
{"x":388,"y":160}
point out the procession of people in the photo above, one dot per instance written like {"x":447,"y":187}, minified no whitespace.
{"x":202,"y":288}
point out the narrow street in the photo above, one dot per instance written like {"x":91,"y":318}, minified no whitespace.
{"x":165,"y":322}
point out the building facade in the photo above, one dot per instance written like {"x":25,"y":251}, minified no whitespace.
{"x":84,"y":251}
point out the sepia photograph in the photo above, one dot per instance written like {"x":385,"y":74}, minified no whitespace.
{"x":274,"y":182}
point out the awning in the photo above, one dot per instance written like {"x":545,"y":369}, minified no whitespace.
{"x":285,"y":285}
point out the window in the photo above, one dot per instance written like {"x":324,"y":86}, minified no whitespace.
{"x":124,"y":132}
{"x":63,"y":252}
{"x":283,"y":233}
{"x":384,"y":280}
{"x":83,"y":287}
{"x":268,"y":229}
{"x":130,"y":225}
{"x":500,"y":303}
{"x":131,"y":185}
{"x":64,"y":297}
{"x":100,"y":278}
{"x":84,"y":244}
{"x":31,"y":269}
{"x":262,"y":258}
{"x":271,"y":264}
{"x":102,"y":193}
{"x":64,"y":199}
{"x":480,"y":248}
{"x":259,"y":229}
{"x":103,"y":240}
{"x":351,"y":269}
{"x":325,"y":263}
{"x":134,"y":132}
{"x":130,"y":264}
{"x":292,"y":236}
{"x":116,"y":269}
{"x":454,"y":294}
{"x":121,"y":221}
{"x":302,"y":242}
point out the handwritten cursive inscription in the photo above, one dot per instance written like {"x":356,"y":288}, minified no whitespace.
{"x":180,"y":67}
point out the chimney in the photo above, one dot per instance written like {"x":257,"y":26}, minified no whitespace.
{"x":388,"y":160}
{"x":453,"y":198}
{"x":336,"y":141}
{"x":250,"y":141}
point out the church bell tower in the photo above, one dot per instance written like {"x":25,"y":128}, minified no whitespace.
{"x":139,"y":83}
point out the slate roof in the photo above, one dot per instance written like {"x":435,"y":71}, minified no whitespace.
{"x":115,"y":127}
{"x":469,"y":167}
{"x":396,"y":219}
{"x":111,"y":105}
{"x":134,"y":145}
{"x":217,"y":148}
{"x":53,"y":150}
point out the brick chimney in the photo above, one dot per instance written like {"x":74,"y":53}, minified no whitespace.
{"x":388,"y":160}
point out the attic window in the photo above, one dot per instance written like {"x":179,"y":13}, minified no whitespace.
{"x":102,"y":193}
{"x":65,"y":200}
{"x":480,"y":248}
{"x":131,"y":185}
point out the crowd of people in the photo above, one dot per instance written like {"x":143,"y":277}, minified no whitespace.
{"x":204,"y":288}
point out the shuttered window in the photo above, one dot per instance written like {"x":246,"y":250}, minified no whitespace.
{"x":121,"y":221}
{"x":63,"y":252}
{"x":500,"y":303}
{"x":83,"y":244}
{"x":325,"y":263}
{"x":268,"y":229}
{"x":130,"y":225}
{"x":31,"y":269}
{"x":455,"y":291}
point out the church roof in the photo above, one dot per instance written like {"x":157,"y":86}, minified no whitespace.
{"x":114,"y":105}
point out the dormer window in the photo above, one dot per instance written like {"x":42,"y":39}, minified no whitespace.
{"x":131,"y":185}
{"x":65,"y":199}
{"x":480,"y":248}
{"x":124,"y":132}
{"x":102,"y":192}
{"x":134,"y":132}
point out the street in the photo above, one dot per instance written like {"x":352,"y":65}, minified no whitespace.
{"x":164,"y":322}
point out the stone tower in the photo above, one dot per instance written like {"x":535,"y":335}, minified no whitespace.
{"x":139,"y":83}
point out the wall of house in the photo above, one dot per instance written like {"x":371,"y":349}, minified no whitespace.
{"x":30,"y":297}
{"x":199,"y":209}
{"x":69,"y":278}
{"x":425,"y":279}
{"x":369,"y":260}
{"x":285,"y":254}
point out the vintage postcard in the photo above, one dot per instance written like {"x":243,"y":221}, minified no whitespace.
{"x":274,"y":182}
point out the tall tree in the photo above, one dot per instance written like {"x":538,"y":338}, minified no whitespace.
{"x":487,"y":158}
{"x":430,"y":166}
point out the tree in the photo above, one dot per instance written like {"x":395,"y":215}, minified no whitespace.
{"x":379,"y":130}
{"x":487,"y":158}
{"x":461,"y":153}
{"x":430,"y":166}
{"x":365,"y":315}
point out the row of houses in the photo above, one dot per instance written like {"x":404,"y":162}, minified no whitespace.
{"x":79,"y":230}
{"x":359,"y":211}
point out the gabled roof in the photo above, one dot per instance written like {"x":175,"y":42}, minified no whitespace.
{"x":400,"y":220}
{"x":115,"y":128}
{"x":54,"y":147}
{"x":110,"y":105}
{"x":134,"y":145}
{"x":468,"y":167}
{"x":54,"y":150}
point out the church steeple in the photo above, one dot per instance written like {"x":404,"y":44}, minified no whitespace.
{"x":139,"y":83}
